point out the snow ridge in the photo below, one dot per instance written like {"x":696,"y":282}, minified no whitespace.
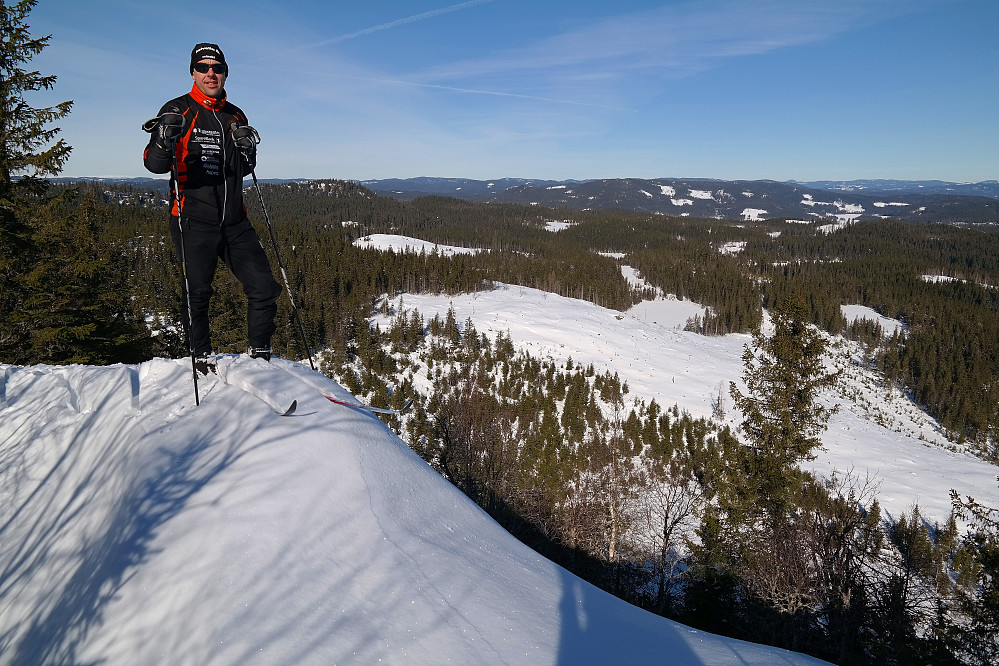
{"x":136,"y":528}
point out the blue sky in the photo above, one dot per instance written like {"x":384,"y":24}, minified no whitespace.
{"x":730,"y":89}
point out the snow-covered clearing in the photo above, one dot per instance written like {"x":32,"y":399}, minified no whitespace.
{"x":732,"y":247}
{"x":753,"y":214}
{"x":878,"y":432}
{"x":556,"y":226}
{"x":854,"y":312}
{"x":408,"y":244}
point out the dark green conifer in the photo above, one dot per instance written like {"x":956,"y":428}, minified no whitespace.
{"x":65,"y":297}
{"x":783,"y":373}
{"x":24,"y":163}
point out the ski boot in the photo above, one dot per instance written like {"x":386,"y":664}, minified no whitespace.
{"x":260,"y":352}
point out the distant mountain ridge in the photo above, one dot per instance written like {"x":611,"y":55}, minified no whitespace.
{"x":985,"y":188}
{"x":462,"y":188}
{"x":926,"y":201}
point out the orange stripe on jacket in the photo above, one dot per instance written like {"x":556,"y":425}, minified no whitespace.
{"x":182,"y":151}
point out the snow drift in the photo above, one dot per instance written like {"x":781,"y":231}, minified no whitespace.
{"x":136,"y":528}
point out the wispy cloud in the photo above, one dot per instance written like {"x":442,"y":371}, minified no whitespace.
{"x":392,"y":24}
{"x":678,"y":40}
{"x":498,"y":93}
{"x":456,"y":89}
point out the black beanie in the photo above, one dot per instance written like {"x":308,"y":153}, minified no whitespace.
{"x":208,"y":52}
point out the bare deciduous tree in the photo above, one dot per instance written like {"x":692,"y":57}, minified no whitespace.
{"x":668,"y":510}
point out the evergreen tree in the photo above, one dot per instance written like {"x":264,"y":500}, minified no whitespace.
{"x":24,"y":130}
{"x":23,"y":159}
{"x":62,"y":288}
{"x":977,"y":637}
{"x":781,"y":418}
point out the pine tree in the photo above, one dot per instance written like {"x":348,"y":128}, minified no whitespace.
{"x":977,"y":637}
{"x":782,"y":419}
{"x":63,"y":297}
{"x":24,"y":162}
{"x":23,"y":128}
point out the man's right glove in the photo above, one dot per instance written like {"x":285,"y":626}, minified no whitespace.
{"x":166,"y":128}
{"x":246,"y":140}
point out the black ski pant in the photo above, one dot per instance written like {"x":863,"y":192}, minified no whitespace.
{"x":239,"y":247}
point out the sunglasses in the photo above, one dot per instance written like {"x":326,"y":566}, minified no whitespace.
{"x":203,"y":67}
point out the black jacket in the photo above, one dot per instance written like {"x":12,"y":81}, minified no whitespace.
{"x":210,"y":168}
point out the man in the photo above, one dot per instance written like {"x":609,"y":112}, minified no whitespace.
{"x":206,"y":143}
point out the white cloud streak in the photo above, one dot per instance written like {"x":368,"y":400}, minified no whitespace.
{"x":394,"y":24}
{"x":679,"y":40}
{"x":455,"y":89}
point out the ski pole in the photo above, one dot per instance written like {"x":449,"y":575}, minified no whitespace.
{"x":284,"y":274}
{"x":176,"y":122}
{"x":183,"y":270}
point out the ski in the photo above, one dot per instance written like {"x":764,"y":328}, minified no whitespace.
{"x":324,"y":391}
{"x":369,"y":408}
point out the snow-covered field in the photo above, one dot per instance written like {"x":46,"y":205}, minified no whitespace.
{"x":407,"y":244}
{"x":137,"y":528}
{"x":890,"y":326}
{"x":877,"y":434}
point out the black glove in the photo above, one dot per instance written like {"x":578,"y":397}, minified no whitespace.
{"x":246,"y":139}
{"x":166,"y":129}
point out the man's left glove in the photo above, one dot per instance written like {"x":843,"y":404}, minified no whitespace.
{"x":246,"y":139}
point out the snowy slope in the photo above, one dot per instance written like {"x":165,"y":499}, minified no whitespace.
{"x":878,"y":433}
{"x":136,"y":528}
